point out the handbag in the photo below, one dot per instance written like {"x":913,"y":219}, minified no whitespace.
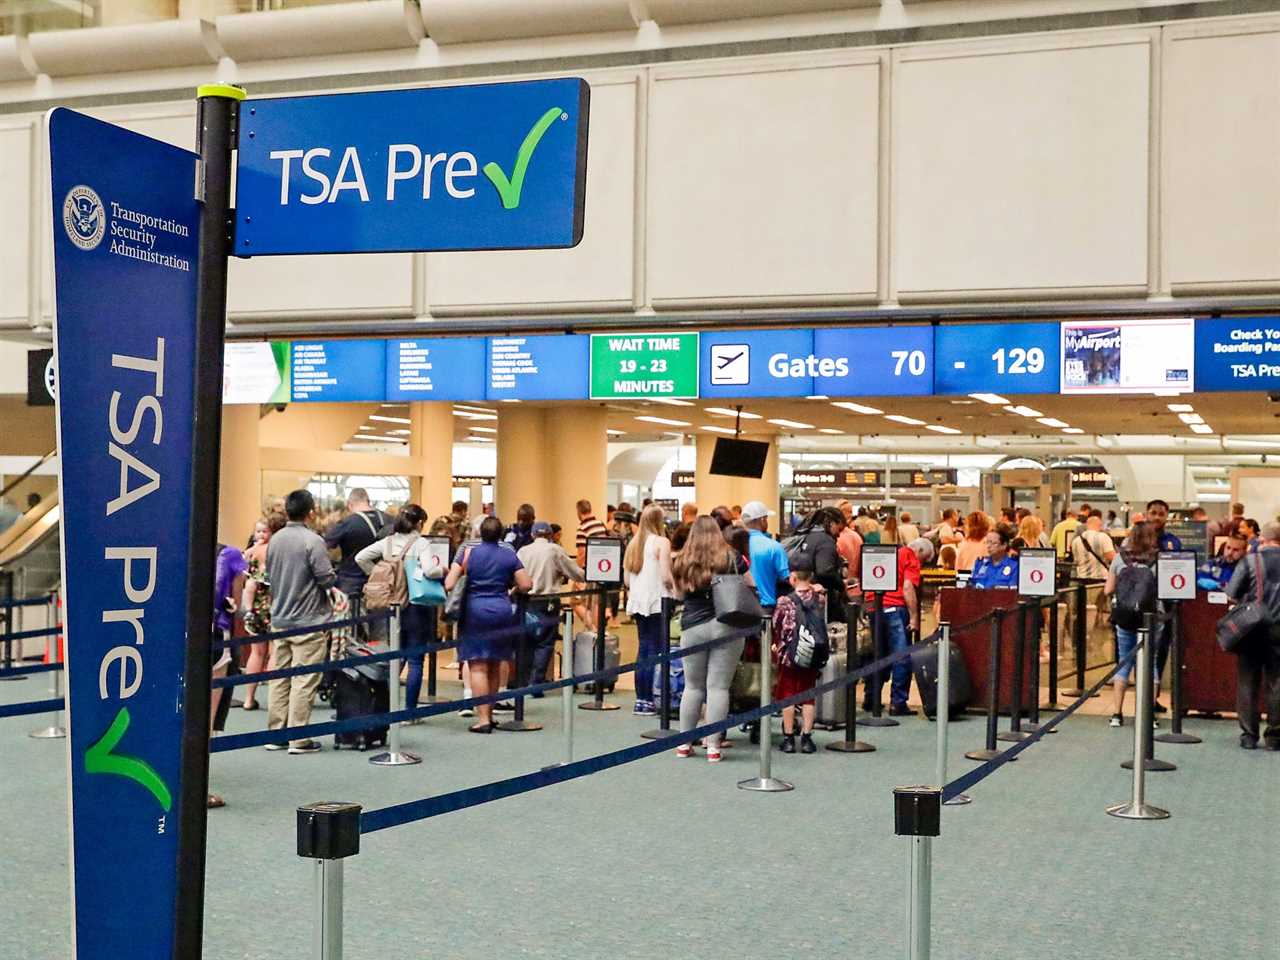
{"x":423,"y":591}
{"x":745,"y":687}
{"x":735,"y":603}
{"x":456,"y":600}
{"x":1245,"y":617}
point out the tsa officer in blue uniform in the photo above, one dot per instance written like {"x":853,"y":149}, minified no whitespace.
{"x":1157,"y":516}
{"x":1216,"y":574}
{"x":999,"y":568}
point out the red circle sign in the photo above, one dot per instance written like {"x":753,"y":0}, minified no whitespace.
{"x":605,"y":565}
{"x":1178,"y":581}
{"x":877,"y":572}
{"x":1037,"y":576}
{"x":435,"y":559}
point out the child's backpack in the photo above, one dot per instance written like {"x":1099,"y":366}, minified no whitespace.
{"x":806,"y":646}
{"x":1135,"y":595}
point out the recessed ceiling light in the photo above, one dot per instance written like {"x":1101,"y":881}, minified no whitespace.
{"x":962,"y":403}
{"x":1072,"y":430}
{"x":664,"y":421}
{"x":992,"y":398}
{"x":393,"y":406}
{"x":939,"y":428}
{"x":382,"y":419}
{"x":1192,"y":418}
{"x":831,"y":430}
{"x":1052,"y":422}
{"x":1167,"y":393}
{"x":1200,"y":428}
{"x":726,"y":412}
{"x":909,"y":421}
{"x":364,"y":426}
{"x":401,"y":433}
{"x":794,"y":424}
{"x":1181,"y":408}
{"x":817,"y":396}
{"x":509,"y":400}
{"x":856,"y":407}
{"x":727,"y":430}
{"x":671,"y":401}
{"x":475,"y":439}
{"x":616,"y":433}
{"x":484,"y":430}
{"x":1024,"y":411}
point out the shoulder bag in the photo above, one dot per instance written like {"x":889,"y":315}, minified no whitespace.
{"x":457,"y":599}
{"x":735,"y":603}
{"x":1238,"y":623}
{"x":423,"y":591}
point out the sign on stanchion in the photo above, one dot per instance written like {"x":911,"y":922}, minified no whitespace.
{"x":879,"y":576}
{"x":879,"y":568}
{"x":1176,"y":575}
{"x":604,"y":560}
{"x":1036,"y":572}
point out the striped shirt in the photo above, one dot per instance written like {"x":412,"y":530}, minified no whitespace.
{"x":588,"y":527}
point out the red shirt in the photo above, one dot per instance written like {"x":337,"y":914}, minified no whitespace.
{"x":908,"y":572}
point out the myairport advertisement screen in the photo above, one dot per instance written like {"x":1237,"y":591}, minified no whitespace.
{"x":1128,"y":356}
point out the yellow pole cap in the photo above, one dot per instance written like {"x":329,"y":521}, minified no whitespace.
{"x":228,"y":90}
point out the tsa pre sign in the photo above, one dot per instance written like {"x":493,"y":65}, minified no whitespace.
{"x":124,"y":239}
{"x":498,"y":166}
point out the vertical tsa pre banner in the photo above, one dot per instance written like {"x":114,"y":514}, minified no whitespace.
{"x":125,"y":236}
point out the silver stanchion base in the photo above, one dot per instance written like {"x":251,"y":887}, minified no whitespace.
{"x":11,"y":679}
{"x":401,"y":759}
{"x":1141,"y":811}
{"x":518,"y":726}
{"x":1013,"y":736}
{"x":766,"y":785}
{"x":1154,"y":765}
{"x":879,"y":722}
{"x":1176,"y":738}
{"x":851,"y":746}
{"x":48,"y":733}
{"x":959,"y":800}
{"x":658,"y":734}
{"x":592,"y":705}
{"x":555,"y":766}
{"x":1074,"y":694}
{"x":984,"y":755}
{"x":1035,"y":728}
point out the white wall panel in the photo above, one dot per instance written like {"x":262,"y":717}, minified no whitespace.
{"x":599,"y":272}
{"x":1020,"y":170}
{"x":762,"y":185}
{"x":373,"y":283}
{"x":1222,"y":138}
{"x":15,"y":215}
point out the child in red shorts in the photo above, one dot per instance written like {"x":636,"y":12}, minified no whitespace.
{"x":792,"y":679}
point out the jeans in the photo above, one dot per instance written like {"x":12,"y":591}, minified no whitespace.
{"x":544,"y":642}
{"x":417,"y":626}
{"x":894,"y":624}
{"x":1126,"y":640}
{"x":649,"y":630}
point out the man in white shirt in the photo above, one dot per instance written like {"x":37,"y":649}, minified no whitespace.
{"x":550,"y":568}
{"x":1092,"y":550}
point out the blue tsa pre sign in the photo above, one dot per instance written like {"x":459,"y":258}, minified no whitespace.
{"x":124,"y":246}
{"x":498,"y":166}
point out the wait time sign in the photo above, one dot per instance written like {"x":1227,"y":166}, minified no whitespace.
{"x":640,"y":365}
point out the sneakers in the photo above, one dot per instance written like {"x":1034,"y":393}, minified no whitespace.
{"x":1158,"y":707}
{"x":901,"y":710}
{"x":304,"y":746}
{"x":276,"y":746}
{"x":1247,"y":742}
{"x":643,"y":708}
{"x":806,"y":744}
{"x":683,"y":751}
{"x":713,"y":755}
{"x":1117,"y":720}
{"x":788,"y":743}
{"x":467,"y":711}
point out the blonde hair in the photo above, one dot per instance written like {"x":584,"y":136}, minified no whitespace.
{"x":652,"y":523}
{"x":704,"y":555}
{"x":1030,"y":529}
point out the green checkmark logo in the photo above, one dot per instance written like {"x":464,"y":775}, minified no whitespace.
{"x":509,"y":190}
{"x":99,"y":758}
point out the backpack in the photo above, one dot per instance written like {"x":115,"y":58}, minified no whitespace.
{"x":805,"y":643}
{"x":518,"y":537}
{"x":388,"y":585}
{"x":1135,"y":595}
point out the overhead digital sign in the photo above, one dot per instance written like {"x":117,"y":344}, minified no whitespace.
{"x":1128,"y":356}
{"x":636,"y":366}
{"x":339,"y":371}
{"x":1003,"y":358}
{"x":436,"y":368}
{"x":538,"y":368}
{"x":873,"y":361}
{"x":257,"y":372}
{"x":1238,"y":353}
{"x":756,"y":363}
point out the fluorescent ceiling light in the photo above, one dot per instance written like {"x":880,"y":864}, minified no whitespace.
{"x":726,"y":412}
{"x":1200,"y":428}
{"x":468,"y":415}
{"x":856,"y":407}
{"x":378,"y":439}
{"x":1191,"y":418}
{"x":475,"y":439}
{"x":727,"y":430}
{"x":509,"y":400}
{"x":401,"y":433}
{"x":364,"y":426}
{"x":992,"y":398}
{"x":484,"y":430}
{"x":382,"y":419}
{"x":831,"y":430}
{"x":1181,"y":408}
{"x":1052,"y":422}
{"x":909,"y":421}
{"x":1072,"y":430}
{"x":611,"y":432}
{"x":671,"y":402}
{"x":817,"y":396}
{"x":665,"y":422}
{"x":1024,"y":411}
{"x":794,"y":424}
{"x":1167,"y":393}
{"x":1241,"y":442}
{"x":473,"y":409}
{"x":939,"y":428}
{"x":393,"y":406}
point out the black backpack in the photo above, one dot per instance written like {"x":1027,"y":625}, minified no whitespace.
{"x":1135,"y":595}
{"x":809,"y":646}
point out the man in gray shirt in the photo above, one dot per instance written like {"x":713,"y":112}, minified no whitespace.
{"x":549,"y":567}
{"x":300,"y":573}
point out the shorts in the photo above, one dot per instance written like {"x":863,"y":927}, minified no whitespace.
{"x":793,"y":680}
{"x":1126,"y":640}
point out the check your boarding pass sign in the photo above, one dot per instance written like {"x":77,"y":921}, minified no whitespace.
{"x":499,"y":166}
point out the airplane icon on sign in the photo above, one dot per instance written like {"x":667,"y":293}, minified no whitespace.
{"x":730,"y":364}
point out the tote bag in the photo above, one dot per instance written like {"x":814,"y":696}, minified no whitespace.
{"x":1245,"y":617}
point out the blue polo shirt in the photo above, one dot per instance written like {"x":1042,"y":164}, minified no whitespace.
{"x":1169,"y":542}
{"x":768,"y":566}
{"x":1216,"y":570}
{"x":989,"y":576}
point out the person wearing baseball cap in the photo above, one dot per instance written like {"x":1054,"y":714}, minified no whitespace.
{"x":550,"y":568}
{"x":769,"y":566}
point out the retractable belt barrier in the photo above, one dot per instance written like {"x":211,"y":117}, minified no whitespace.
{"x":326,"y":627}
{"x":374,"y":820}
{"x":35,"y":706}
{"x":32,"y":634}
{"x":326,"y":665}
{"x":29,"y":602}
{"x":30,"y":668}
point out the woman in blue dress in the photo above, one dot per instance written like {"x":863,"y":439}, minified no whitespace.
{"x":489,"y":625}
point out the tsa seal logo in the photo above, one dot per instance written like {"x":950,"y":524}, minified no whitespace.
{"x":84,"y":217}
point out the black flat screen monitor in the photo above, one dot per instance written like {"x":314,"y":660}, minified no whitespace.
{"x":739,"y":458}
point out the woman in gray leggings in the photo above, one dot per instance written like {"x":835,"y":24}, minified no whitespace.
{"x":707,"y":675}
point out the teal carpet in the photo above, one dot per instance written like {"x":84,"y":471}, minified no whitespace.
{"x":665,"y":858}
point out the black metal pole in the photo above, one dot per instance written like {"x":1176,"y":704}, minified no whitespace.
{"x":1149,"y":762}
{"x":1176,"y":708}
{"x":989,"y":752}
{"x":217,"y":133}
{"x":851,"y":743}
{"x":1015,"y":733}
{"x":1078,"y":640}
{"x":878,"y":643}
{"x":8,"y":620}
{"x":597,"y":701}
{"x":1053,"y":653}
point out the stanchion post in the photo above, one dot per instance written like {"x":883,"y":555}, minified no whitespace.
{"x":1176,"y":708}
{"x":1145,"y":708}
{"x":328,"y":833}
{"x":1015,"y":733}
{"x":1053,"y":654}
{"x":917,"y":815}
{"x":1137,"y":807}
{"x":394,"y":756}
{"x":664,"y":677}
{"x":766,"y":782}
{"x":877,"y":679}
{"x":597,"y":701}
{"x":942,"y":708}
{"x":1079,"y":640}
{"x":433,"y":663}
{"x":989,"y":752}
{"x":54,"y":731}
{"x":851,"y":743}
{"x":8,"y":629}
{"x":567,"y":671}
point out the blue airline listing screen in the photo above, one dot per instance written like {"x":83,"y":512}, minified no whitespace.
{"x":538,"y":368}
{"x":440,"y":368}
{"x":339,"y":370}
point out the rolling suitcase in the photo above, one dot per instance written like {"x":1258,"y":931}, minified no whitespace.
{"x":361,"y":691}
{"x":924,"y":667}
{"x":584,"y":646}
{"x":831,"y":705}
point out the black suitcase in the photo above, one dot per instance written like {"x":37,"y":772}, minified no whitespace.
{"x":361,"y":692}
{"x":924,"y":667}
